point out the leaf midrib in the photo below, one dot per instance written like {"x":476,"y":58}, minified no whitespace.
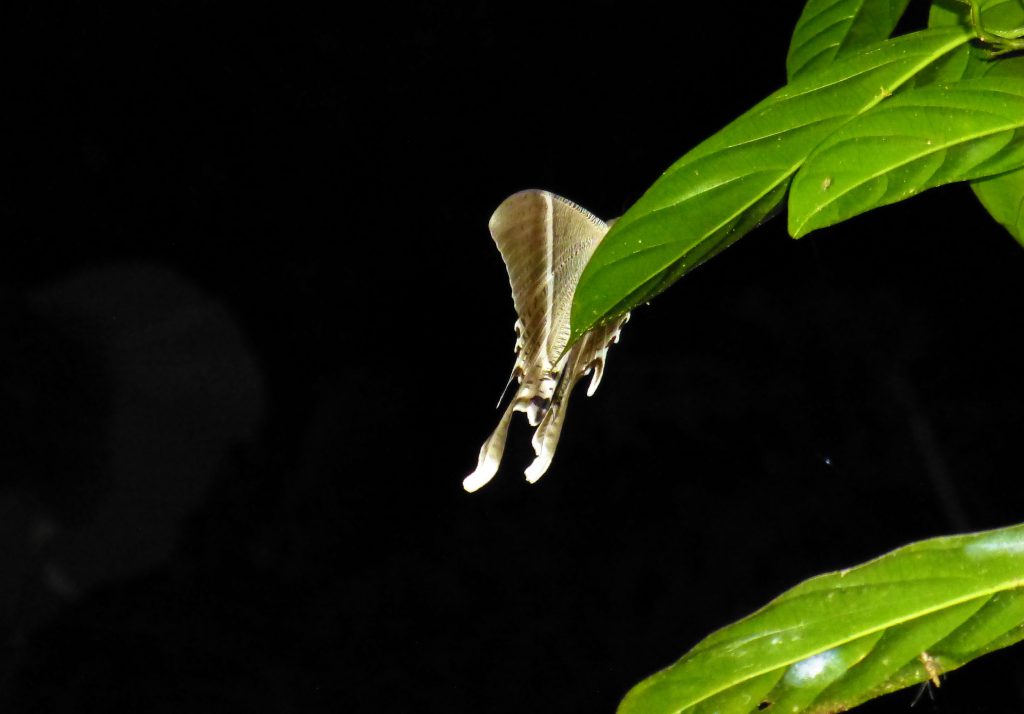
{"x":988,"y":592}
{"x":808,"y":40}
{"x":932,"y":149}
{"x":931,"y":57}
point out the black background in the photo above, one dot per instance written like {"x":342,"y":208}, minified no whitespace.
{"x":252,"y":328}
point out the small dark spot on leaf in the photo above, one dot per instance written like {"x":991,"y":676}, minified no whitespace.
{"x":763,"y":705}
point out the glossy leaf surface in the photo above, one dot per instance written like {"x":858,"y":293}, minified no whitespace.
{"x":1002,"y":15}
{"x":840,"y":639}
{"x":969,"y":60}
{"x":923,"y":138}
{"x":734,"y":180}
{"x":1003,"y":195}
{"x":828,"y":29}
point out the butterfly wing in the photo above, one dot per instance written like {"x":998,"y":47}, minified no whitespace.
{"x":545,"y":241}
{"x":523,"y":229}
{"x":578,"y":233}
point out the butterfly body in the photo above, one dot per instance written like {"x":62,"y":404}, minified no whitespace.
{"x":546,"y":242}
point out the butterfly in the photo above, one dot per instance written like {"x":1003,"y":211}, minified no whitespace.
{"x":546,"y":242}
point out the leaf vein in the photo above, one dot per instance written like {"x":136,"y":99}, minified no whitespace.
{"x":911,"y":158}
{"x":1011,"y":585}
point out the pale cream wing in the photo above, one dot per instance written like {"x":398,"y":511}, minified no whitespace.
{"x":577,"y":235}
{"x":545,"y":241}
{"x":522,"y":228}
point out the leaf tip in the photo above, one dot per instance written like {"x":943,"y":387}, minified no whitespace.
{"x":797,"y":228}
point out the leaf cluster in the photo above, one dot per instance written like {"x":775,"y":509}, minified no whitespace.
{"x":866,"y":120}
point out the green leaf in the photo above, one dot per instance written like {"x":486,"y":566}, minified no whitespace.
{"x":1003,"y":195}
{"x":965,"y":61}
{"x":738,"y":177}
{"x":828,"y":29}
{"x":995,"y":14}
{"x":918,"y":140}
{"x":969,"y":60}
{"x":1002,"y":15}
{"x":843,"y":638}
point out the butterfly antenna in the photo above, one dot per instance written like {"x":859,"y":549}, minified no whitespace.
{"x":505,"y":390}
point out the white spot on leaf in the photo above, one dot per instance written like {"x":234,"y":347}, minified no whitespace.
{"x":807,"y":670}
